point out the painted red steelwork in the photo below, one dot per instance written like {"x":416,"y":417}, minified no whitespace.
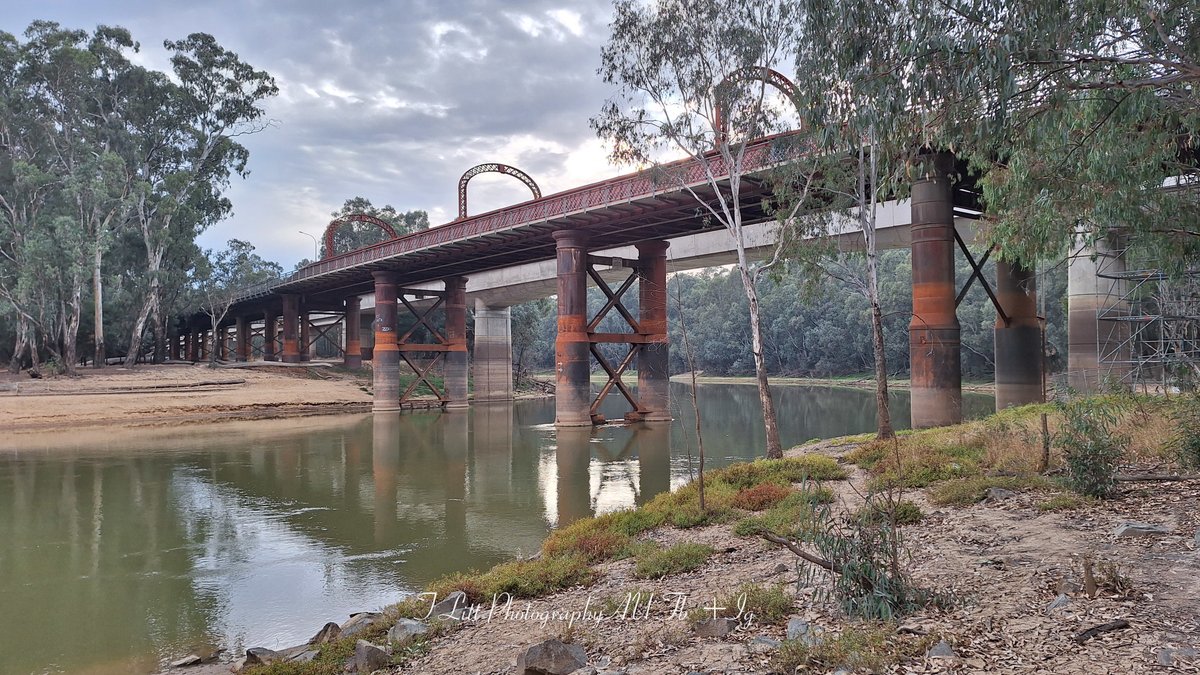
{"x":353,"y":218}
{"x":755,"y":73}
{"x":492,"y":168}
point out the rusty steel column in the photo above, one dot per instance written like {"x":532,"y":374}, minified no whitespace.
{"x":243,"y":338}
{"x":1019,"y":359}
{"x":306,"y":349}
{"x":386,"y":362}
{"x":933,"y":334}
{"x":654,"y":384}
{"x":221,"y":338}
{"x":572,"y":349}
{"x":189,"y":344}
{"x":455,"y":372}
{"x":352,"y":358}
{"x":291,"y":328}
{"x":268,"y":347}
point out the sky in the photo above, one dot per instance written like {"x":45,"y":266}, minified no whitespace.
{"x":391,"y":101}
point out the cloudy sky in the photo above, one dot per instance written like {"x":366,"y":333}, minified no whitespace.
{"x":388,"y":100}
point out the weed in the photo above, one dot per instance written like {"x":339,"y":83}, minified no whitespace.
{"x":1090,"y":447}
{"x":683,"y":557}
{"x":594,"y":538}
{"x":870,"y":647}
{"x":761,"y":496}
{"x":967,"y":491}
{"x":1064,"y":502}
{"x":905,"y":513}
{"x":1185,"y":442}
{"x":761,"y":604}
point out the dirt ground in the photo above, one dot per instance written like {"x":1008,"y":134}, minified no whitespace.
{"x":156,"y":395}
{"x":1003,"y":564}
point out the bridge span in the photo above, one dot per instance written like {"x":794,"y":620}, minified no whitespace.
{"x":628,"y":231}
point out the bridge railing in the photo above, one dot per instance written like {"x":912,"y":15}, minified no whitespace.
{"x":759,"y":155}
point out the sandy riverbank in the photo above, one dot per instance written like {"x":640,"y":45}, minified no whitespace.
{"x":168,"y":395}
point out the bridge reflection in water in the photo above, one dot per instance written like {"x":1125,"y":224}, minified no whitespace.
{"x":254,"y":533}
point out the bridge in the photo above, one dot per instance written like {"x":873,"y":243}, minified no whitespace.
{"x":626,"y":231}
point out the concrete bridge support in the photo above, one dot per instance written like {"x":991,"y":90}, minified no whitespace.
{"x":243,"y":338}
{"x":291,"y":328}
{"x":268,"y":346}
{"x":1094,"y":345}
{"x":935,"y":361}
{"x":386,"y":360}
{"x":306,"y":341}
{"x":352,"y":358}
{"x":455,"y":370}
{"x":572,"y":372}
{"x":1018,"y":333}
{"x":493,"y":353}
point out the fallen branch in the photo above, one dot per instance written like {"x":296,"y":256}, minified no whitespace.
{"x":1148,"y":477}
{"x":1098,"y":630}
{"x":795,"y":548}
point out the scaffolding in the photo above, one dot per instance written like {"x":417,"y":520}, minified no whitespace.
{"x":1148,"y":330}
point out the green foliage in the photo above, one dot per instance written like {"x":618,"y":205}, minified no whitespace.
{"x":520,"y":578}
{"x":593,"y":538}
{"x":967,"y":491}
{"x":656,"y":562}
{"x":870,"y":647}
{"x":784,"y":471}
{"x":1065,"y":502}
{"x":1185,"y":443}
{"x":761,"y":496}
{"x":904,"y":513}
{"x":1090,"y":446}
{"x":767,"y":605}
{"x":788,"y":518}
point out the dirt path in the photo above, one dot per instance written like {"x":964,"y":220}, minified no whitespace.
{"x":174,"y":394}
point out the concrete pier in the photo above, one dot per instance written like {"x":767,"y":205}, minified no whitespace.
{"x":493,"y":353}
{"x":1094,"y":345}
{"x":572,"y":349}
{"x":1018,"y":342}
{"x":935,"y":361}
{"x":306,"y":343}
{"x":268,"y":346}
{"x":386,"y":365}
{"x":243,"y":338}
{"x":291,"y":328}
{"x":654,"y":384}
{"x":455,"y":372}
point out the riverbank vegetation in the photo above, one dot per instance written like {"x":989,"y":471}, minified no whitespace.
{"x":878,"y":531}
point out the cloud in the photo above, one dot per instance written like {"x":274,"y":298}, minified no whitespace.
{"x":391,"y":101}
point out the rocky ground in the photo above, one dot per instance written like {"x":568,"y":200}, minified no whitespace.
{"x":1019,"y":601}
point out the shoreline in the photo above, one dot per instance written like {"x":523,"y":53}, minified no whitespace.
{"x":864,"y":382}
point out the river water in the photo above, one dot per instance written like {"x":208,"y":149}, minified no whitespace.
{"x":120,"y":548}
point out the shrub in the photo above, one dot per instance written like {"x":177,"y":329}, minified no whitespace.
{"x":967,"y":491}
{"x":1185,"y":443}
{"x":870,"y":647}
{"x":904,"y":512}
{"x":761,"y":496}
{"x":767,"y":604}
{"x":1090,"y":448}
{"x":1063,"y":502}
{"x":594,"y":538}
{"x":683,"y":557}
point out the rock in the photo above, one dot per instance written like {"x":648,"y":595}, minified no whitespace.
{"x":1058,"y":602}
{"x":799,"y":629}
{"x":328,"y":633}
{"x":612,"y":672}
{"x":995,"y":494}
{"x":189,"y":660}
{"x":405,"y":631}
{"x":368,"y":657}
{"x":941,"y":650}
{"x":304,"y":657}
{"x":1170,"y":657}
{"x":1196,"y":539}
{"x":453,"y":606}
{"x":552,"y":657}
{"x":359,"y":622}
{"x":1131,"y":529}
{"x":762,"y":644}
{"x":715,"y":628}
{"x":781,"y":568}
{"x":261,"y":656}
{"x":586,"y":670}
{"x":238,"y":665}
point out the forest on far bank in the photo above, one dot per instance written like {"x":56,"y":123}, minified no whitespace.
{"x":821,"y":333}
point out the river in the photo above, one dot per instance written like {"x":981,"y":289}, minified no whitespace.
{"x":120,"y":548}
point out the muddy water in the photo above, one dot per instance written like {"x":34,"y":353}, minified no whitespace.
{"x":121,"y":548}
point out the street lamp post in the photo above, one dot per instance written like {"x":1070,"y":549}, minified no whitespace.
{"x":316,"y":245}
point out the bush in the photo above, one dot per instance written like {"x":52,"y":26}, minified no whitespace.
{"x":761,"y":496}
{"x":659,"y":562}
{"x":904,"y":512}
{"x":1090,"y":448}
{"x":767,"y":604}
{"x":967,"y":491}
{"x":594,"y":538}
{"x":870,"y":647}
{"x":1185,"y":443}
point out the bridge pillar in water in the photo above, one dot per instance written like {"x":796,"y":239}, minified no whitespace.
{"x":933,"y":334}
{"x":243,"y":338}
{"x":654,"y":384}
{"x":455,"y":373}
{"x":291,"y":328}
{"x":1094,"y":353}
{"x":1018,"y":346}
{"x":572,"y":347}
{"x":268,"y":346}
{"x":385,"y":367}
{"x":352,"y":357}
{"x":493,"y":367}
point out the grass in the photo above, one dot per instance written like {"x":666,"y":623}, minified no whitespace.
{"x":761,"y":496}
{"x":519,"y":578}
{"x":654,"y":562}
{"x":766,"y":605}
{"x":967,"y":491}
{"x":787,"y":518}
{"x":907,"y":513}
{"x":1067,"y":501}
{"x":870,"y":647}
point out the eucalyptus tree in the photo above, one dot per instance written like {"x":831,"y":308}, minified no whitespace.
{"x":220,"y":275}
{"x":187,"y":152}
{"x":675,"y":64}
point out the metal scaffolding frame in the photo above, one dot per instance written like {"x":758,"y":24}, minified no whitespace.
{"x":1150,"y":328}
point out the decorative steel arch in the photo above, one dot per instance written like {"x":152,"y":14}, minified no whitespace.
{"x":354,"y":218}
{"x":492,"y":168}
{"x":762,"y":74}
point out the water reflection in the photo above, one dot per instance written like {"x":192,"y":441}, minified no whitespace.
{"x":132,"y":545}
